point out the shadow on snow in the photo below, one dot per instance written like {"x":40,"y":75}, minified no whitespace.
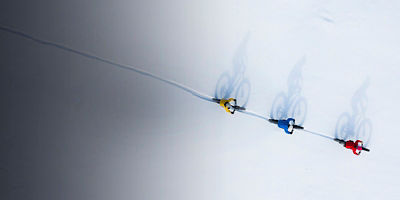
{"x":355,"y":125}
{"x":291,"y":104}
{"x":234,"y":84}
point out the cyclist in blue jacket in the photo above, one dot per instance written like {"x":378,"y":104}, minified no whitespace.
{"x":285,"y":124}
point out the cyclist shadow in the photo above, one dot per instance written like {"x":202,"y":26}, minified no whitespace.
{"x":291,"y":104}
{"x":234,"y":84}
{"x":356,"y":125}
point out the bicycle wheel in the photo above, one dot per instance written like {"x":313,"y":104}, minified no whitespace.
{"x":224,"y":86}
{"x":342,"y":126}
{"x":279,"y":110}
{"x":243,"y":92}
{"x":298,"y":110}
{"x":364,"y":130}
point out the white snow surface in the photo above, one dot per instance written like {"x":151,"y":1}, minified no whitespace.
{"x":340,"y":58}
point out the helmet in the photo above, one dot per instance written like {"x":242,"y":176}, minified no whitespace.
{"x":290,"y":128}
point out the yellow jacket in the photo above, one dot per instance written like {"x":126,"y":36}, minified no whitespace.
{"x":223,"y":103}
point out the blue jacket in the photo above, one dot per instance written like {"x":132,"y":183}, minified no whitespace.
{"x":284,"y":124}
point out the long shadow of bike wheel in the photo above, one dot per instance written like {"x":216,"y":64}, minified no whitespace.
{"x":223,"y":88}
{"x":279,"y":107}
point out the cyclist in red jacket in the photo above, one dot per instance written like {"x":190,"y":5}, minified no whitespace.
{"x":356,"y":147}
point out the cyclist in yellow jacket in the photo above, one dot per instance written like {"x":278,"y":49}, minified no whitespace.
{"x":226,"y":103}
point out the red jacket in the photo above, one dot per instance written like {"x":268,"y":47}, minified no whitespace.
{"x":355,"y":146}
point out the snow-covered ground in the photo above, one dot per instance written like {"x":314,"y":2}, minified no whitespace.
{"x":77,"y":128}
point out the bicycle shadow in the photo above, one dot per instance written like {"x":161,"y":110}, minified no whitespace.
{"x":355,"y":125}
{"x":291,"y":104}
{"x":234,"y":84}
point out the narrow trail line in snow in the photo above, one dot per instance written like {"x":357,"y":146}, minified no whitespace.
{"x":248,"y":112}
{"x":319,"y":134}
{"x":131,"y":68}
{"x":110,"y":62}
{"x":104,"y":60}
{"x":251,"y":113}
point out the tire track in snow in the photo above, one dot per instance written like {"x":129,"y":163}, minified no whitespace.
{"x":134,"y":69}
{"x":107,"y":61}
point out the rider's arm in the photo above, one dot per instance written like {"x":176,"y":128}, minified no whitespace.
{"x":227,"y":110}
